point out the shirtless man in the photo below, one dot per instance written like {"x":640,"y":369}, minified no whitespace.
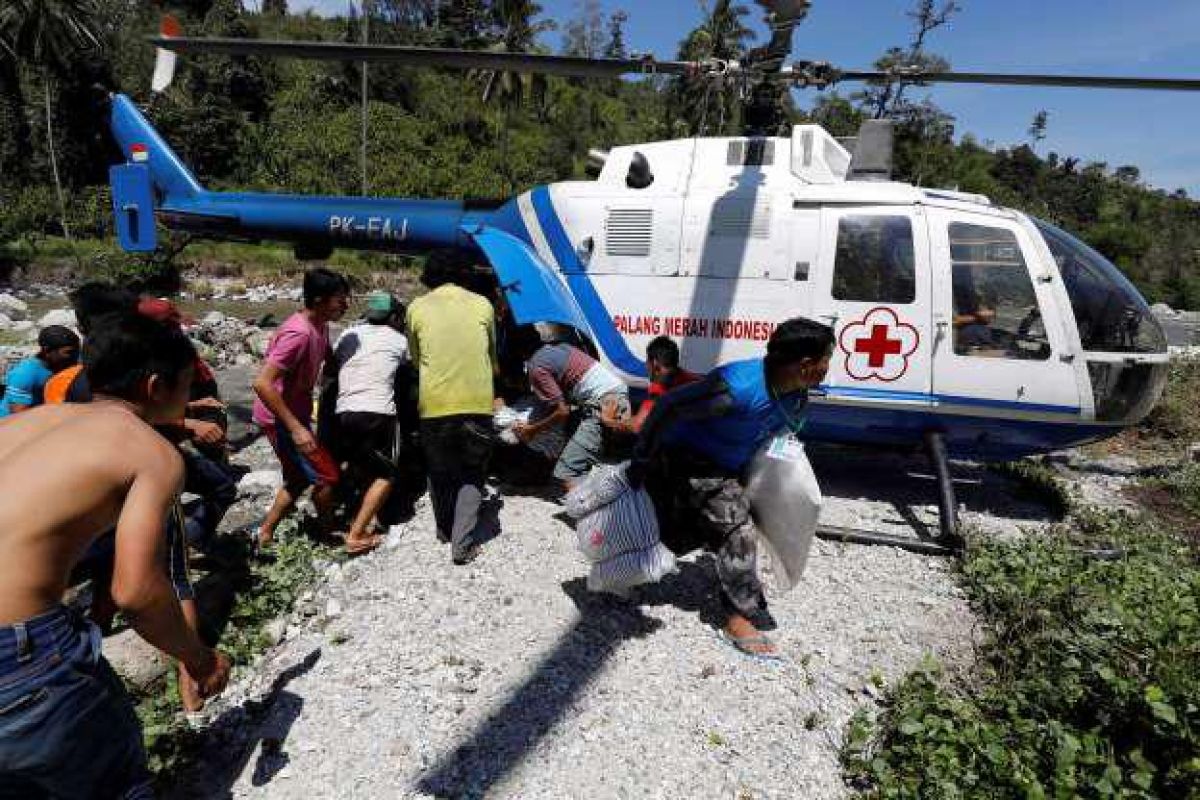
{"x":69,"y":473}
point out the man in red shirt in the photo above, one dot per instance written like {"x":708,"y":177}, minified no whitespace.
{"x":662,"y":365}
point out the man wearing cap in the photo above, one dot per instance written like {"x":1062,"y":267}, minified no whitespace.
{"x":367,"y":359}
{"x":693,"y":452}
{"x":58,"y":349}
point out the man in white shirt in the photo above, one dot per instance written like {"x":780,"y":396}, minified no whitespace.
{"x":368,"y":356}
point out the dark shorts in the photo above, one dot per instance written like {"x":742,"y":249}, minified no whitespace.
{"x":67,"y":726}
{"x":316,"y":469}
{"x":368,"y":442}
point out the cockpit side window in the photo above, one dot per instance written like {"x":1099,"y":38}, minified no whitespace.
{"x":875,"y":261}
{"x":996,"y":312}
{"x":1111,"y":315}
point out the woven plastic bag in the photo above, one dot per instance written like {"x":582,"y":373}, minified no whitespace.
{"x":621,"y":573}
{"x":785,"y":501}
{"x":625,"y":524}
{"x":604,"y":484}
{"x":616,"y":529}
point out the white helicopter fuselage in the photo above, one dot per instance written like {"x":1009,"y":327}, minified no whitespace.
{"x":949,"y":312}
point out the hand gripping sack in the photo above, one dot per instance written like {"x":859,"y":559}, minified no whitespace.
{"x":785,"y":501}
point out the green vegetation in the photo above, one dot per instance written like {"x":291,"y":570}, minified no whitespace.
{"x":1087,"y":684}
{"x":265,"y":591}
{"x":1087,"y":680}
{"x":294,"y":126}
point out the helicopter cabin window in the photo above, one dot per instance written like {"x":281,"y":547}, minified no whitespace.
{"x":1111,"y":314}
{"x":996,"y":313}
{"x":875,"y":261}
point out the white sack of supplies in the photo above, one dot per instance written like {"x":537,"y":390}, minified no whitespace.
{"x":549,"y":442}
{"x":617,"y":531}
{"x":785,"y":501}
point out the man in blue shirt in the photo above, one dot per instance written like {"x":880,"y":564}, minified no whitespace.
{"x":58,"y":348}
{"x":695,"y":447}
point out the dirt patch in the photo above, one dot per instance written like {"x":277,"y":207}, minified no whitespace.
{"x":1164,"y":505}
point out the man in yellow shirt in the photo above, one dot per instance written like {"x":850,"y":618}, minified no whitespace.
{"x":452,"y":338}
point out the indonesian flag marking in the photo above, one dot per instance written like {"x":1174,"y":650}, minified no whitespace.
{"x":139,"y":154}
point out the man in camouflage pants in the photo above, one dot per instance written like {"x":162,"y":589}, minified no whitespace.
{"x":694,"y":450}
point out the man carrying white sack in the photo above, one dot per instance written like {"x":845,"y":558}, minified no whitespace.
{"x":694,"y":449}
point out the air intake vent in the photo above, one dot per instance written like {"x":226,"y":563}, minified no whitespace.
{"x":750,"y":153}
{"x":629,"y":232}
{"x":744,"y":218}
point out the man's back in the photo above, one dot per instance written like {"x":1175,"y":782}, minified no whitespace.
{"x":453,"y":341}
{"x":66,"y":473}
{"x":368,"y":358}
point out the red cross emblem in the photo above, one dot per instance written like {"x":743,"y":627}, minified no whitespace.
{"x":878,"y":346}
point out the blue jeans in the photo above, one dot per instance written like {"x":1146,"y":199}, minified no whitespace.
{"x":67,"y":727}
{"x":218,"y":491}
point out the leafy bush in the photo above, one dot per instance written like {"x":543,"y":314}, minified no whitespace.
{"x":1174,"y":419}
{"x":1088,"y":681}
{"x":268,"y":590}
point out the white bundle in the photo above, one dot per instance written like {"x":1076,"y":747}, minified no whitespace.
{"x":549,"y":442}
{"x":785,"y":501}
{"x":617,"y":531}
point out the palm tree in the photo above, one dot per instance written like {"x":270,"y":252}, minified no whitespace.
{"x":696,"y":104}
{"x":48,"y":35}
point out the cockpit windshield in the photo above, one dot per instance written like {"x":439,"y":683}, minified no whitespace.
{"x":1112,"y":316}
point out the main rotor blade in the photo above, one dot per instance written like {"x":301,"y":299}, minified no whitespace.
{"x":564,"y":66}
{"x":1013,"y":79}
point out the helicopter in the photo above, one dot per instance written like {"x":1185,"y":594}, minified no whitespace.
{"x":962,"y":327}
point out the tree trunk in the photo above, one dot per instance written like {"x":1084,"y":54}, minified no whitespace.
{"x":62,"y":205}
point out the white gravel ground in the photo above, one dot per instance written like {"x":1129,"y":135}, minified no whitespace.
{"x":410,"y":677}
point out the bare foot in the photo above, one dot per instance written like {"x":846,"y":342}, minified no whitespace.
{"x":741,"y":633}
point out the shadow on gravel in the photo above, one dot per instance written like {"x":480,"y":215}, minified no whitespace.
{"x":906,"y":480}
{"x":233,"y":737}
{"x":504,"y":739}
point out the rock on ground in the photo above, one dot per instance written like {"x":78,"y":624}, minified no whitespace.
{"x":506,"y":678}
{"x":13,"y":307}
{"x":59,"y":316}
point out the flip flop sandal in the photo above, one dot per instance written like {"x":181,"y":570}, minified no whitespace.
{"x":741,"y":644}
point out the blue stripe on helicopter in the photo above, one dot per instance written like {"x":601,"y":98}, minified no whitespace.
{"x":855,"y":392}
{"x":967,"y":436}
{"x":610,"y":341}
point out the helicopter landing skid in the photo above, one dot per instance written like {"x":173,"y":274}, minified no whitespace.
{"x":948,"y":542}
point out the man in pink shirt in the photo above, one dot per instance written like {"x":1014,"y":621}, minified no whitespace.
{"x":285,"y":398}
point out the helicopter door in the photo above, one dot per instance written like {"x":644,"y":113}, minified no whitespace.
{"x":872,"y":287}
{"x":994,"y":353}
